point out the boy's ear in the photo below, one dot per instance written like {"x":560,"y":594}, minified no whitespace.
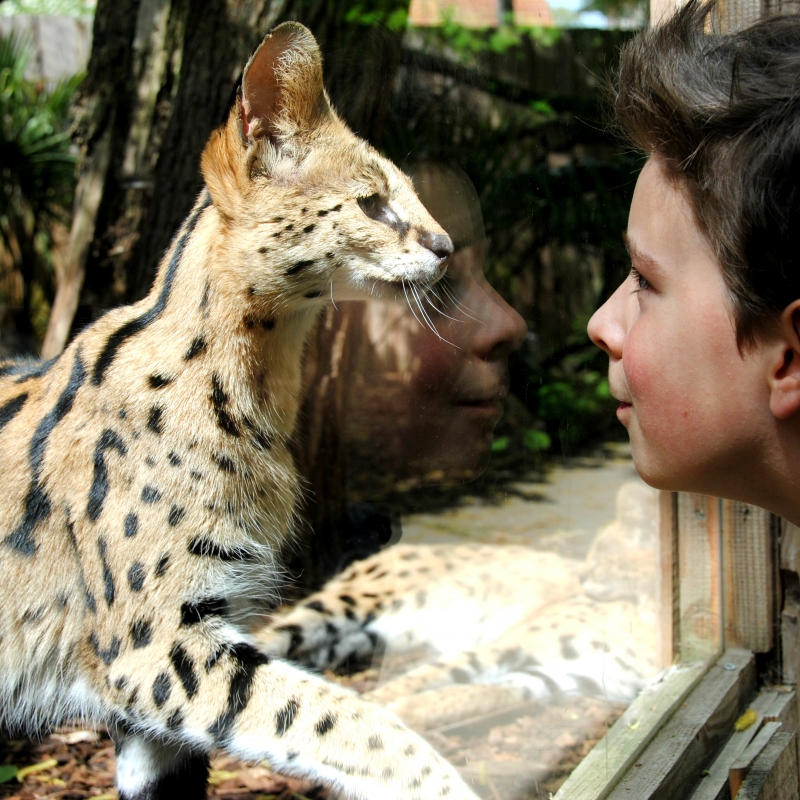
{"x":282,"y":89}
{"x":784,"y":378}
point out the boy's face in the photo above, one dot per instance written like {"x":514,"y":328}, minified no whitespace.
{"x":696,"y":409}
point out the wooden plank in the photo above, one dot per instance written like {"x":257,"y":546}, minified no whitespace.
{"x":672,"y":764}
{"x":749,"y":576}
{"x":618,"y":750}
{"x":774,"y":775}
{"x":770,"y":704}
{"x":742,"y":765}
{"x":668,"y":591}
{"x":700,"y":577}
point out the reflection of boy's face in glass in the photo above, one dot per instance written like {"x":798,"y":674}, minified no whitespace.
{"x":459,"y":381}
{"x":432,"y":419}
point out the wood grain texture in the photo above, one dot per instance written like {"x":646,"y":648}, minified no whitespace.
{"x":749,"y":576}
{"x":598,"y":773}
{"x":668,"y":593}
{"x":672,"y":764}
{"x":774,"y":774}
{"x":770,"y":704}
{"x":700,"y":577}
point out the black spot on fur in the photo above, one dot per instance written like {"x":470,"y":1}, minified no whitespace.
{"x":215,"y":655}
{"x":108,"y":577}
{"x":289,"y":228}
{"x":224,"y":463}
{"x":204,"y":298}
{"x":136,"y":576}
{"x":162,"y":688}
{"x":10,"y":409}
{"x":460,"y":675}
{"x":309,"y":228}
{"x":345,"y":598}
{"x":155,"y":422}
{"x":138,"y":324}
{"x":285,"y":717}
{"x":183,"y":665}
{"x":247,"y":661}
{"x":293,"y":270}
{"x":268,"y":324}
{"x":316,"y":605}
{"x":295,"y":637}
{"x":337,"y":207}
{"x":174,"y":459}
{"x":141,"y":633}
{"x":159,"y":381}
{"x":174,"y":722}
{"x":568,"y":649}
{"x":37,"y":502}
{"x":150,"y":495}
{"x":375,"y":742}
{"x":195,"y":475}
{"x":199,"y":345}
{"x":25,"y":369}
{"x":108,"y":654}
{"x":219,"y":400}
{"x":322,"y":213}
{"x":210,"y":549}
{"x":131,"y":525}
{"x":162,"y":566}
{"x":109,"y":440}
{"x":193,"y":613}
{"x":176,"y":514}
{"x":325,"y":724}
{"x":313,"y":295}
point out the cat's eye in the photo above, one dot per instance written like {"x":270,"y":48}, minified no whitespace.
{"x":376,"y":208}
{"x":372,"y":205}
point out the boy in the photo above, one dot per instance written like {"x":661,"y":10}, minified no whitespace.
{"x":704,"y":335}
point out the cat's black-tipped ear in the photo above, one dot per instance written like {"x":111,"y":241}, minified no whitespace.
{"x":282,"y":90}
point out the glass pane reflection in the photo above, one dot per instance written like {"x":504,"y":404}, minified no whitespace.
{"x":515,"y":618}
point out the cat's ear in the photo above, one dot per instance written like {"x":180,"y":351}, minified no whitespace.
{"x":282,"y":90}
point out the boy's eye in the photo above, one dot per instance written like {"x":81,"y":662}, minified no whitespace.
{"x":641,"y":281}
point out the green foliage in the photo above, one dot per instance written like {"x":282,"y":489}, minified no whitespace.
{"x":500,"y":444}
{"x":387,"y":13}
{"x":36,"y":170}
{"x":8,"y":772}
{"x":536,"y":440}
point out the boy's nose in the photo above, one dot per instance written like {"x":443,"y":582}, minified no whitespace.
{"x":605,"y":328}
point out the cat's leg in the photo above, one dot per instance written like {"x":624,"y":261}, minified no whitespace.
{"x":149,"y":768}
{"x":207,"y":693}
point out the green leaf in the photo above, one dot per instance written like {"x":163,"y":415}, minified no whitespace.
{"x":536,"y":440}
{"x":500,"y":444}
{"x":8,"y":772}
{"x":542,"y":107}
{"x":397,"y":20}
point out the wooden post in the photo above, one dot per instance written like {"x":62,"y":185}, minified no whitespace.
{"x":699,"y":575}
{"x":749,"y":605}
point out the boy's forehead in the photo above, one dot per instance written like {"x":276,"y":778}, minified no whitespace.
{"x":662,"y":227}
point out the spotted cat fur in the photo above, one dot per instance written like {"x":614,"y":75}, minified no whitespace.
{"x":148,"y":480}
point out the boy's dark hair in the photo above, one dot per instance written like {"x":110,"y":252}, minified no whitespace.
{"x":722,"y":113}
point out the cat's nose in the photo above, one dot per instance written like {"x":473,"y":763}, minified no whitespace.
{"x":440,"y":244}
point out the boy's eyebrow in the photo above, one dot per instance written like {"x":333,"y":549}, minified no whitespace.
{"x":636,"y":254}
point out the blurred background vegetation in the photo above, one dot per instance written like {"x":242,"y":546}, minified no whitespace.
{"x":517,"y":106}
